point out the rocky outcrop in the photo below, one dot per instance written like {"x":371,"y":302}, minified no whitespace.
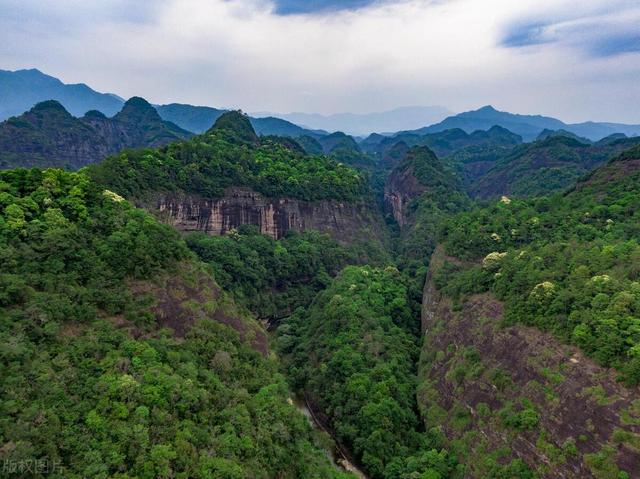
{"x":517,"y":393}
{"x":401,"y":188}
{"x":343,"y":221}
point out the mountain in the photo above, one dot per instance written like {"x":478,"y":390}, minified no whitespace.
{"x":361,"y":124}
{"x":279,"y":127}
{"x":196,"y":119}
{"x":445,"y":143}
{"x":544,"y":134}
{"x":545,"y":166}
{"x":48,"y":135}
{"x":538,"y":298}
{"x":527,"y":126}
{"x":132,"y":350}
{"x":20,"y":90}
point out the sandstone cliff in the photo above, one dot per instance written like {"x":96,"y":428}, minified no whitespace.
{"x":516,"y":393}
{"x":401,"y":188}
{"x":343,"y":221}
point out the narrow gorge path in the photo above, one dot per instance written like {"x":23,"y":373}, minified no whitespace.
{"x":340,"y":457}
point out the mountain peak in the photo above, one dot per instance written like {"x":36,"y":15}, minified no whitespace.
{"x":49,"y":106}
{"x":487,"y":109}
{"x":238,"y":125}
{"x":138,"y":109}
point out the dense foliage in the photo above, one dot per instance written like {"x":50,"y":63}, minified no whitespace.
{"x":80,"y":393}
{"x":352,"y":354}
{"x":545,"y":166}
{"x":442,"y":196}
{"x":229,"y":156}
{"x":568,"y":264}
{"x":272,"y":278}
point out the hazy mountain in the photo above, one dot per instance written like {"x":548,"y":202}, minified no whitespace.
{"x":197,"y":119}
{"x":20,"y":90}
{"x":544,"y":166}
{"x":527,"y":126}
{"x":361,"y":124}
{"x":48,"y":135}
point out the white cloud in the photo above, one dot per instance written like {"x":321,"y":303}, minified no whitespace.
{"x":240,"y":53}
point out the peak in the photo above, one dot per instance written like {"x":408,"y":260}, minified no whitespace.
{"x":49,"y":106}
{"x":238,"y":125}
{"x":95,"y":114}
{"x":139,"y":110}
{"x":488,"y":109}
{"x":137,"y":102}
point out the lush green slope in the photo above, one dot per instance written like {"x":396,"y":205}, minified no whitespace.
{"x":91,"y":385}
{"x":568,"y":264}
{"x":272,"y":278}
{"x":230,"y":154}
{"x":353,"y":354}
{"x":545,"y":166}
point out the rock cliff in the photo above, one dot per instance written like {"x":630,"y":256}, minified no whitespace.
{"x":343,"y":221}
{"x":515,"y":393}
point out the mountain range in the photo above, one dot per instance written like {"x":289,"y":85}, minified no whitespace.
{"x":362,"y":124}
{"x":527,"y":126}
{"x":20,"y":90}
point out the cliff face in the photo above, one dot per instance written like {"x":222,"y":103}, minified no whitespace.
{"x":517,"y":393}
{"x":273,"y":216}
{"x":401,"y":188}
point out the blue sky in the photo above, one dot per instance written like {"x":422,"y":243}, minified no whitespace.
{"x":573,"y":60}
{"x":311,"y":6}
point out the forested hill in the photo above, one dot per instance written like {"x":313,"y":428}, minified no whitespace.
{"x":48,"y":136}
{"x":567,"y":264}
{"x":92,"y":384}
{"x":231,"y":154}
{"x":544,"y":166}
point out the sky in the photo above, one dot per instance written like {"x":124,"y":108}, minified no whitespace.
{"x":573,"y":60}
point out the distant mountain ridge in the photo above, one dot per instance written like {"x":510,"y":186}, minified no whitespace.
{"x":21,"y":90}
{"x":527,"y":126}
{"x":48,"y":135}
{"x":362,"y":124}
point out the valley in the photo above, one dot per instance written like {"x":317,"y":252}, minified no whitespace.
{"x":444,"y":303}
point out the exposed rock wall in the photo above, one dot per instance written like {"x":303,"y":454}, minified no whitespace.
{"x":273,"y":216}
{"x":477,"y":376}
{"x":401,"y":188}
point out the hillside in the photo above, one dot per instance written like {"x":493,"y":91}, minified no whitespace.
{"x":554,"y":279}
{"x":88,"y":281}
{"x":446,"y":143}
{"x":48,"y":135}
{"x":545,"y":166}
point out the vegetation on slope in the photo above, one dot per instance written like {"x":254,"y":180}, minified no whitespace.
{"x":90,"y":385}
{"x":353,"y":354}
{"x":567,"y":264}
{"x":229,"y":155}
{"x":272,"y":278}
{"x":545,"y":166}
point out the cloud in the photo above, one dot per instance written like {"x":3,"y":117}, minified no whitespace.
{"x":286,"y":7}
{"x":539,"y":56}
{"x":598,"y":29}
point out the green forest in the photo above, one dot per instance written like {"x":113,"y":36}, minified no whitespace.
{"x":133,"y":350}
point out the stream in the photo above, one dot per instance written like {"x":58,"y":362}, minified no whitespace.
{"x":339,"y":456}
